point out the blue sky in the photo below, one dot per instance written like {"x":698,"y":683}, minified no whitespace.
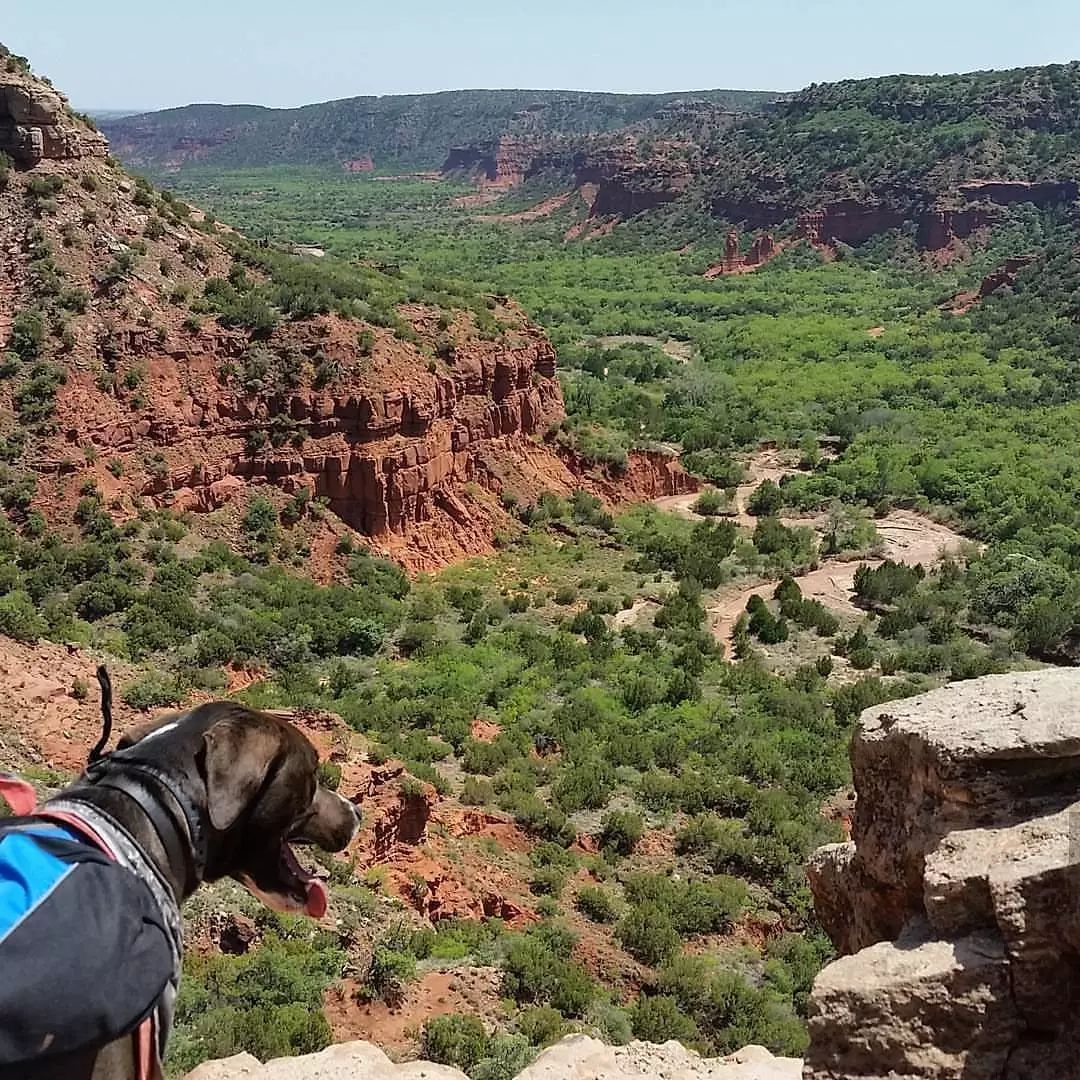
{"x":134,"y":53}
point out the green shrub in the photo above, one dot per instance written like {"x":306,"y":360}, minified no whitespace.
{"x":647,"y":934}
{"x":151,"y":691}
{"x":477,"y":791}
{"x":388,"y":977}
{"x":19,"y":618}
{"x":596,"y":904}
{"x":456,"y":1040}
{"x":507,"y":1056}
{"x":659,"y":1019}
{"x":27,"y":334}
{"x":711,"y":503}
{"x":541,"y":1025}
{"x":537,"y":969}
{"x":620,"y":831}
{"x":767,"y":500}
{"x":329,"y":775}
{"x":267,"y":1002}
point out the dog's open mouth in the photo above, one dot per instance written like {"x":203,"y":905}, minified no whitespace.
{"x":292,"y":889}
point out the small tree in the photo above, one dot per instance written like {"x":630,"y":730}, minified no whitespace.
{"x":766,"y":501}
{"x":620,"y":831}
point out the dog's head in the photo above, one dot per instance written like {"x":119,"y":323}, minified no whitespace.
{"x":254,"y":777}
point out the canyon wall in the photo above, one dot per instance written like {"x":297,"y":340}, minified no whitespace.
{"x":974,"y":205}
{"x":622,"y":181}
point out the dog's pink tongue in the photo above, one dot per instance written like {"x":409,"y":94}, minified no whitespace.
{"x":316,"y":898}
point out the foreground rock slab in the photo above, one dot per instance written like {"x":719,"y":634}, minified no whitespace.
{"x":956,"y":907}
{"x":575,"y":1058}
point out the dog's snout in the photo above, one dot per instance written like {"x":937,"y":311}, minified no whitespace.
{"x":357,"y":816}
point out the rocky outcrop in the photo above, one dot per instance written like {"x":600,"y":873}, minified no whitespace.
{"x":1008,"y":192}
{"x":939,"y":228}
{"x":621,"y":182}
{"x":954,"y":904}
{"x":384,"y":459}
{"x":1002,"y":278}
{"x":956,"y":215}
{"x":507,"y":162}
{"x":847,"y":222}
{"x":763,"y":249}
{"x":628,"y":183}
{"x":36,"y":123}
{"x":1005,"y":275}
{"x":575,"y":1058}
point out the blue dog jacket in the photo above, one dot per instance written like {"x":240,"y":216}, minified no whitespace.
{"x":85,"y":949}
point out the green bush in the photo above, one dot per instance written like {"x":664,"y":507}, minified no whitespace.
{"x":507,"y":1056}
{"x":596,"y":904}
{"x":329,"y":775}
{"x":27,"y":334}
{"x":620,"y":831}
{"x":19,"y":618}
{"x":477,"y":791}
{"x":537,"y":969}
{"x":150,"y":692}
{"x":389,"y":975}
{"x":456,"y":1040}
{"x":767,"y":500}
{"x":647,"y":934}
{"x":541,"y":1025}
{"x":659,"y":1019}
{"x":267,"y":1002}
{"x":711,"y":503}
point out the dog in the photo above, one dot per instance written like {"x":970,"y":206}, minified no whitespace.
{"x":217,"y":791}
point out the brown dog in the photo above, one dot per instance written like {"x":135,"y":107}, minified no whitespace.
{"x":217,"y":791}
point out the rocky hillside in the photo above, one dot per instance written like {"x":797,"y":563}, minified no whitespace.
{"x":161,"y":359}
{"x":945,"y":155}
{"x":392,"y":133}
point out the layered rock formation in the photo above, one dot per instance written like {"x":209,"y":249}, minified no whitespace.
{"x":1003,"y":277}
{"x":954,"y":905}
{"x":938,"y":222}
{"x":506,"y":162}
{"x":411,"y":434}
{"x":35,"y":121}
{"x":763,"y":249}
{"x":575,"y":1058}
{"x":620,"y":179}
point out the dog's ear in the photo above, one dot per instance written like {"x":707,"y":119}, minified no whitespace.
{"x":239,"y":755}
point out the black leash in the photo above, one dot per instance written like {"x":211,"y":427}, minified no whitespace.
{"x":106,"y":714}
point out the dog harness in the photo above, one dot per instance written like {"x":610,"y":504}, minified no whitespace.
{"x":90,"y":935}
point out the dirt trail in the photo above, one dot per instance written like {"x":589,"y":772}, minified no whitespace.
{"x":682,"y":351}
{"x":534,"y":213}
{"x":906,"y":537}
{"x":766,"y":465}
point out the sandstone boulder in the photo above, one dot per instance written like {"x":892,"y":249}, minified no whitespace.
{"x":575,"y":1058}
{"x":35,"y":123}
{"x":957,"y":900}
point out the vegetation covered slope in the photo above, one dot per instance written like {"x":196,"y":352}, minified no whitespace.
{"x":399,"y":132}
{"x":901,"y":141}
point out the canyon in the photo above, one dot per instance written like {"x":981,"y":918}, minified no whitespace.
{"x":951,"y":910}
{"x":417,"y":437}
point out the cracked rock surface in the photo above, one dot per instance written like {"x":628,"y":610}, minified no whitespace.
{"x":956,"y":906}
{"x":577,"y":1057}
